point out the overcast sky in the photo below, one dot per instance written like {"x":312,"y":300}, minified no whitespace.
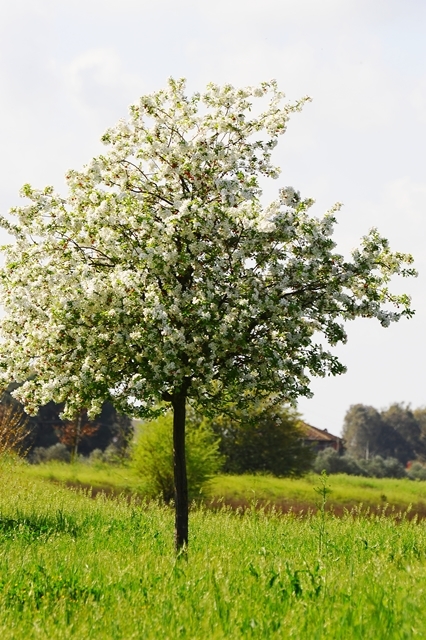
{"x":69,"y":69}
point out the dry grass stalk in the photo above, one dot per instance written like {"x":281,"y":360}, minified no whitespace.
{"x":14,"y":427}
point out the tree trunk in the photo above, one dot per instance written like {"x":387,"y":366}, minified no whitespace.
{"x":179,"y":463}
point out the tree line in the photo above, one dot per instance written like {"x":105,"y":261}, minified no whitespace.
{"x":263,"y":437}
{"x":396,"y":432}
{"x":36,"y":435}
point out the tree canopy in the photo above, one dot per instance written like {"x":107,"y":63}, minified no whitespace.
{"x":162,"y":276}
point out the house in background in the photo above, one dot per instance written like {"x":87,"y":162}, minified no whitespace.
{"x":320,"y":439}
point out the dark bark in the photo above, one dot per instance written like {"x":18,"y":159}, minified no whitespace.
{"x":179,"y":463}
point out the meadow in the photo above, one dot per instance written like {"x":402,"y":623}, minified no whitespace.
{"x":241,"y":490}
{"x":74,"y":565}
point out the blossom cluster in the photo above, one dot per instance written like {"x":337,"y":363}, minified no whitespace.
{"x":161,"y":272}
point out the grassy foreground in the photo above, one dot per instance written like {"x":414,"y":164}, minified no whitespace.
{"x":72,"y":566}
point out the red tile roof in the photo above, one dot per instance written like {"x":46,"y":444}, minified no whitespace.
{"x":312,"y":433}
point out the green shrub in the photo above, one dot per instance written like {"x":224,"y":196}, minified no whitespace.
{"x":417,"y":471}
{"x":153,"y":456}
{"x":330,"y":461}
{"x":57,"y":452}
{"x":377,"y":467}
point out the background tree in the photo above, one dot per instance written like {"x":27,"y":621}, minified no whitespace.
{"x":402,"y":419}
{"x":364,"y":431}
{"x":47,"y":426}
{"x":161,"y":276}
{"x":263,"y":437}
{"x":109,"y":429}
{"x":420,"y":416}
{"x":74,"y":431}
{"x":392,"y":433}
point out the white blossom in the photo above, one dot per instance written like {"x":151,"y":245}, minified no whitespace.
{"x":289,"y":196}
{"x":162,"y":271}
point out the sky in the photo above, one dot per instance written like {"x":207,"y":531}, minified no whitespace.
{"x":69,"y":70}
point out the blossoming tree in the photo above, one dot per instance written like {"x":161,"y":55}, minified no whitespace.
{"x":162,"y":278}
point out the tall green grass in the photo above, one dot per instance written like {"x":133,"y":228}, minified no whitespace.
{"x":98,"y":475}
{"x":74,"y":566}
{"x":347,"y":491}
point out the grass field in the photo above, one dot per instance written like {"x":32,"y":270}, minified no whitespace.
{"x":284,"y":493}
{"x":346,"y":492}
{"x":117,"y":478}
{"x":74,"y":566}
